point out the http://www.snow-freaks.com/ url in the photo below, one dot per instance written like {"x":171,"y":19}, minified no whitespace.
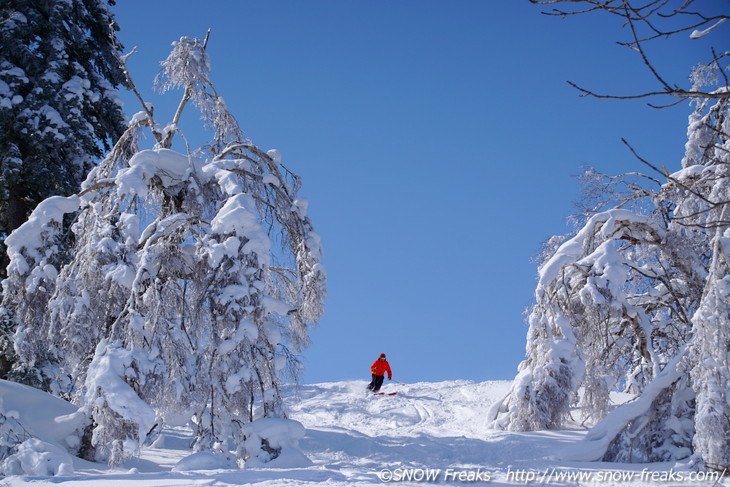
{"x":546,"y":476}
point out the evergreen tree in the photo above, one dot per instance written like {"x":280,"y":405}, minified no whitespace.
{"x":58,"y":109}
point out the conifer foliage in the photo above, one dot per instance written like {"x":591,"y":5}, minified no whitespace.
{"x":58,"y":108}
{"x":184,"y":290}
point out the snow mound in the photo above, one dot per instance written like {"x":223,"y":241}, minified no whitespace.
{"x":43,"y":416}
{"x":47,"y":428}
{"x":36,"y":457}
{"x":204,"y":461}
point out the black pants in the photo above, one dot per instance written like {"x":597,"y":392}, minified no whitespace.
{"x":376,"y":383}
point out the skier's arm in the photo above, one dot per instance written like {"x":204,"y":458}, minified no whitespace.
{"x":374,"y":368}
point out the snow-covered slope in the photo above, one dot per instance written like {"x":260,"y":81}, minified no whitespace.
{"x":424,"y":425}
{"x":354,"y":438}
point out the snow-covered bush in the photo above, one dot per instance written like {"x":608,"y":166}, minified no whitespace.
{"x":122,"y":420}
{"x":274,"y":442}
{"x":189,"y":286}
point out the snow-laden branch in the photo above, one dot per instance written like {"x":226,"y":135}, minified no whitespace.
{"x":594,"y":445}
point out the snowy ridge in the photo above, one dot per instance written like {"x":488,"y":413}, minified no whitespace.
{"x":354,"y":438}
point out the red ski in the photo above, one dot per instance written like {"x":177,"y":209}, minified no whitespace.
{"x":384,"y":393}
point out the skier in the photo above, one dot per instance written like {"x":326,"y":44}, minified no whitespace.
{"x":379,"y":369}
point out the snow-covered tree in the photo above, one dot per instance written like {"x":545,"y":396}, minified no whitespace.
{"x":37,"y":249}
{"x":192,"y":282}
{"x":705,"y":182}
{"x":637,"y":298}
{"x":58,"y":108}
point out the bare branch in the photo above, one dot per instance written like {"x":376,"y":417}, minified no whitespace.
{"x":665,"y":174}
{"x":639,"y":48}
{"x":683,"y":94}
{"x":130,"y":84}
{"x":642,"y":14}
{"x":668,"y":105}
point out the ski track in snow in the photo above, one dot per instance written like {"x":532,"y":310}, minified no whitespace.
{"x":353,"y":436}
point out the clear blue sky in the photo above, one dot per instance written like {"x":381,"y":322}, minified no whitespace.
{"x":437,"y":142}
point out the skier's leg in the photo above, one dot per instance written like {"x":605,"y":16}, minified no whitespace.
{"x":377,"y":382}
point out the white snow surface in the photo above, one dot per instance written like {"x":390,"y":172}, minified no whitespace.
{"x":356,"y":439}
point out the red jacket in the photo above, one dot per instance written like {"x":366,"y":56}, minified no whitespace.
{"x":380,"y":367}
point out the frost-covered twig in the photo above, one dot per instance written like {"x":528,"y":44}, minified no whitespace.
{"x":148,"y":109}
